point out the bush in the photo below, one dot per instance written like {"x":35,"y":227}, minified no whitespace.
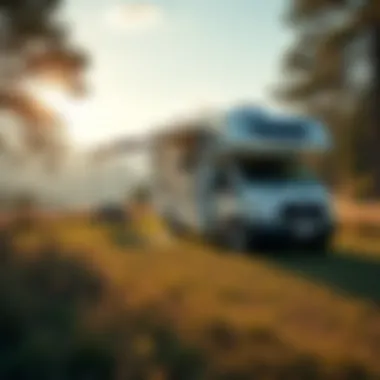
{"x":181,"y":362}
{"x":44,"y":304}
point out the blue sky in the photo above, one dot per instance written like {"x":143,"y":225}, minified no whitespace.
{"x":190,"y":54}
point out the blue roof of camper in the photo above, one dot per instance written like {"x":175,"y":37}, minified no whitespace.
{"x":249,"y":123}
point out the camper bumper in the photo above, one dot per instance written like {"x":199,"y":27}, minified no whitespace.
{"x":285,"y":234}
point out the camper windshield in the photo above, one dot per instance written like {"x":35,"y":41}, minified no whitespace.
{"x":272,"y":169}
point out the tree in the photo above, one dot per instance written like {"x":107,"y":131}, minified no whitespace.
{"x":321,"y":80}
{"x":34,"y":46}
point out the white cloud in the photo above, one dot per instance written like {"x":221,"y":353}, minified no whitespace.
{"x":134,"y":16}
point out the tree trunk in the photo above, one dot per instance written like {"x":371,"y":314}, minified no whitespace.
{"x":375,"y":124}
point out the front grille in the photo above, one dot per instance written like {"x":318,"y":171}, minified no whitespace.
{"x":297,"y":211}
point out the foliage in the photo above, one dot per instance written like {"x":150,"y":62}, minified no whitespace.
{"x":46,"y":303}
{"x":319,"y":82}
{"x":74,"y":304}
{"x":40,"y":329}
{"x":35,"y":46}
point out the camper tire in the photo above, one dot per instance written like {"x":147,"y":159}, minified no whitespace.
{"x":234,"y":236}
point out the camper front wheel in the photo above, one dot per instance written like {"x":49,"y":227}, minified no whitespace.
{"x":234,"y":236}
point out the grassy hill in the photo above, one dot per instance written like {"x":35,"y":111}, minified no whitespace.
{"x":74,"y":304}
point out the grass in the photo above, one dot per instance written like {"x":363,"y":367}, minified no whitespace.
{"x":359,"y":228}
{"x":167,"y":309}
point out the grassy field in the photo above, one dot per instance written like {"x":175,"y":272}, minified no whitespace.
{"x":359,"y":227}
{"x":180,"y":310}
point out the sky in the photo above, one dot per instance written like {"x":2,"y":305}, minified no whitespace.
{"x":156,"y":59}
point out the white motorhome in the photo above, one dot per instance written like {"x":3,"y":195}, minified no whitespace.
{"x":240,"y":177}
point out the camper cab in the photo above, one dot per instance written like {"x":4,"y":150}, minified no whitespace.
{"x":241,"y":176}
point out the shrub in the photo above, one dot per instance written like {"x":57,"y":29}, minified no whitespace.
{"x":44,"y":304}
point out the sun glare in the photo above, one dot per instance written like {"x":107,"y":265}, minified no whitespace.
{"x":71,"y":111}
{"x":59,"y":102}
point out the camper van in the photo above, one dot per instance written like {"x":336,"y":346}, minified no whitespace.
{"x":240,"y":177}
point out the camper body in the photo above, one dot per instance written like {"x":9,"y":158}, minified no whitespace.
{"x":239,"y":177}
